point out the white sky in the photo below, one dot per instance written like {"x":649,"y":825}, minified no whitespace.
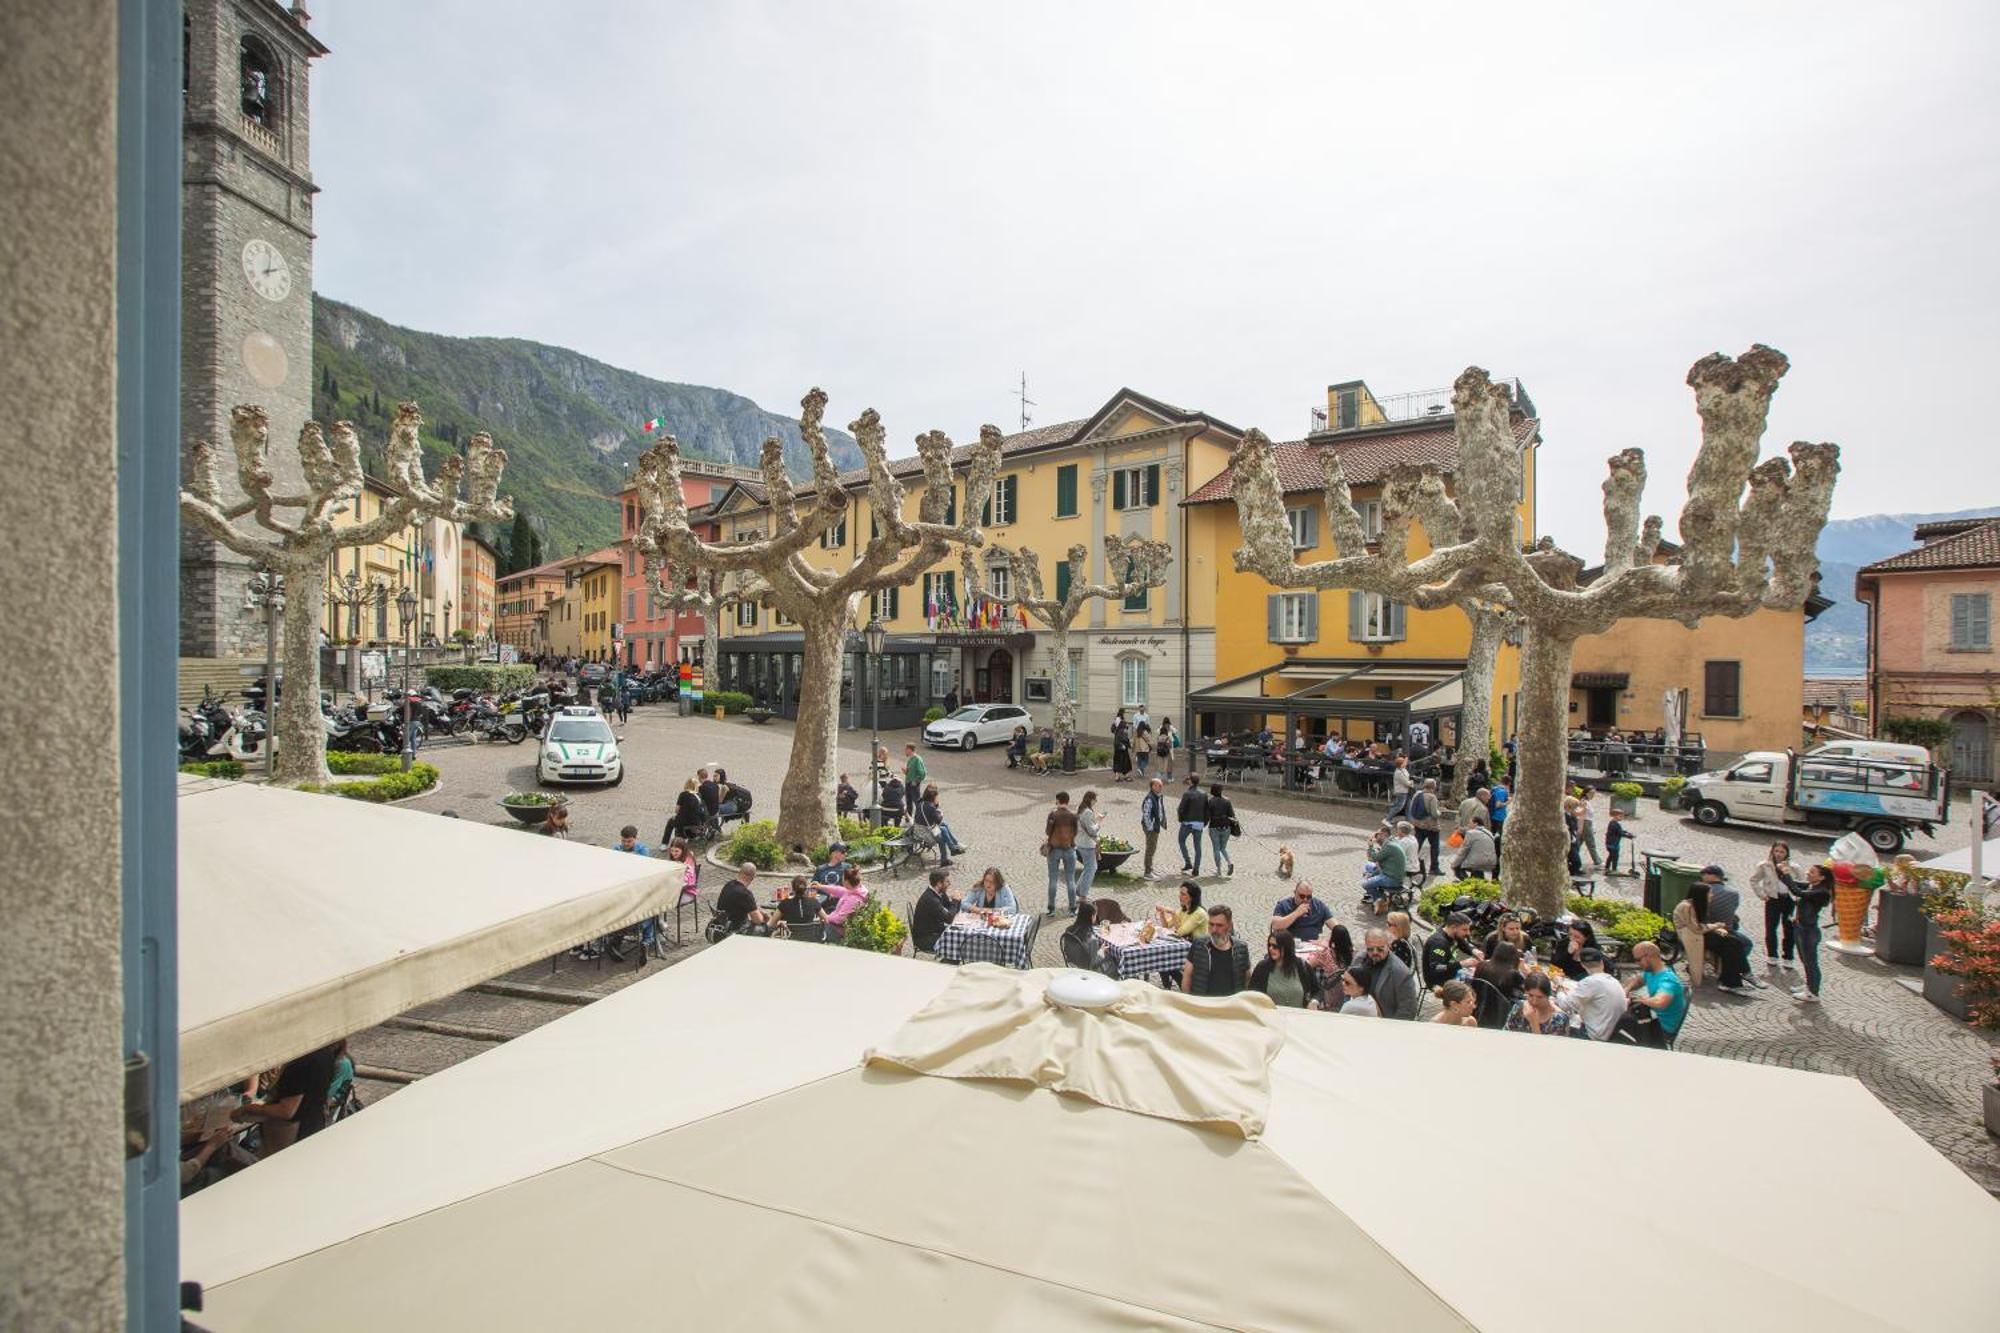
{"x":1228,"y":206}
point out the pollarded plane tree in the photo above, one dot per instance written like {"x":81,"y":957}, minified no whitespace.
{"x":705,"y":594}
{"x":773,"y":570}
{"x":1142,"y":563}
{"x":1748,"y":531}
{"x":295,"y":533}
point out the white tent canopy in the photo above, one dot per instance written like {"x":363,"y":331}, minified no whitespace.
{"x":1961,"y":860}
{"x":713,"y":1127}
{"x":304,"y":917}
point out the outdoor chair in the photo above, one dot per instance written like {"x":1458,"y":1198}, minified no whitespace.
{"x":1491,"y":1009}
{"x":910,"y":917}
{"x":806,"y":932}
{"x":689,"y":901}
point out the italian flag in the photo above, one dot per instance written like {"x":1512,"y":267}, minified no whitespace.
{"x":652,"y":424}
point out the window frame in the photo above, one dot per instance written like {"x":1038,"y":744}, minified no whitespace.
{"x":1126,"y":663}
{"x":1386,"y":621}
{"x":1004,"y":505}
{"x":1067,"y":475}
{"x":1294,"y":618}
{"x":746,"y":615}
{"x":1304,"y":523}
{"x":1141,"y":480}
{"x":1971,"y":612}
{"x":1712,"y":696}
{"x":1000,"y":583}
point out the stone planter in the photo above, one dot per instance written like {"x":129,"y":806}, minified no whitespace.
{"x":1670,"y":800}
{"x":758,"y":715}
{"x":1900,"y":929}
{"x":1109,"y":863}
{"x":1943,"y":991}
{"x":1625,"y":805}
{"x":526,"y":814}
{"x":1989,"y":1097}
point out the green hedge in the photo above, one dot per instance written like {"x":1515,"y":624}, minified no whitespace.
{"x":214,"y":768}
{"x":388,"y":787}
{"x":1435,"y":902}
{"x":755,"y":842}
{"x":1625,"y":922}
{"x":489,"y":678}
{"x":729,"y":701}
{"x":875,"y":927}
{"x":932,"y":714}
{"x":347,"y":763}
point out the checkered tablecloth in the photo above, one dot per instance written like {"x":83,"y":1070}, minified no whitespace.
{"x":981,"y":944}
{"x":1165,"y":953}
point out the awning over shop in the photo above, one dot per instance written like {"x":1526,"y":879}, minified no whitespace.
{"x":1600,"y":680}
{"x":1311,"y":688}
{"x":660,"y":1130}
{"x":304,"y":917}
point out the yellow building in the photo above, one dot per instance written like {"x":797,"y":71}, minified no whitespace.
{"x":1124,"y":469}
{"x":1337,"y":661}
{"x":1739,"y":684}
{"x":588,"y":607}
{"x":421,"y":556}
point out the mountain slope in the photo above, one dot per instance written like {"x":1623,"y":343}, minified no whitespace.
{"x":569,"y":424}
{"x":1837,"y":642}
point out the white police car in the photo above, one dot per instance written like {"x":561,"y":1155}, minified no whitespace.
{"x":579,"y":746}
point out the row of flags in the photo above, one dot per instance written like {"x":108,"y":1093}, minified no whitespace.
{"x":942,"y":611}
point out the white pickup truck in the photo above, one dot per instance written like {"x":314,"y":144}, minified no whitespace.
{"x":1877,"y":789}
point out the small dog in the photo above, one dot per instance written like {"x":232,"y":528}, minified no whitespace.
{"x":1284,"y":863}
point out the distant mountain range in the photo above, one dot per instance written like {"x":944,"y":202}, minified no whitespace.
{"x":1837,"y":642}
{"x":569,"y":424}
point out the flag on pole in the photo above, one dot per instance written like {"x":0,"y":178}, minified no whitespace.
{"x":652,"y":424}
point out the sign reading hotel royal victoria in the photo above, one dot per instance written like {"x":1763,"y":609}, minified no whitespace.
{"x":984,"y":638}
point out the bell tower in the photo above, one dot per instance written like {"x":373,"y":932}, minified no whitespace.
{"x":246,"y":275}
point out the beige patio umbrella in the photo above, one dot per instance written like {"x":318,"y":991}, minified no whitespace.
{"x":708,"y":1150}
{"x":305,"y":917}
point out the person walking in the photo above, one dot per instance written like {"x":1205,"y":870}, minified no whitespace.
{"x":1424,"y":814}
{"x":1059,"y":845}
{"x":1164,"y":746}
{"x":1813,"y":894}
{"x":1088,"y":825}
{"x":1152,"y":818}
{"x":1221,"y":827}
{"x":1774,"y":881}
{"x":1192,"y":814}
{"x":1498,"y":799}
{"x":1586,"y":829}
{"x":1121,"y":747}
{"x":1142,"y":748}
{"x":915,"y":774}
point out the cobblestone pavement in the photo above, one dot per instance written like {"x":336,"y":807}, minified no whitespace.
{"x":1925,"y":1066}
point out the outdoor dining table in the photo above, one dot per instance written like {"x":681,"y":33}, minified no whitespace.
{"x":1130,"y":956}
{"x":968,"y":939}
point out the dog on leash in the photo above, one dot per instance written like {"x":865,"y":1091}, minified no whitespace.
{"x":1285,"y":863}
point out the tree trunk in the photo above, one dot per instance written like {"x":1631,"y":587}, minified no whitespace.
{"x":1060,"y":698}
{"x":300,"y":733}
{"x":711,"y":648}
{"x":1475,"y":722}
{"x":805,"y":805}
{"x":1535,"y":852}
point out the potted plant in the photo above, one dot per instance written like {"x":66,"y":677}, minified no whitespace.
{"x":1903,"y":932}
{"x":874,"y":926}
{"x":1112,"y":853}
{"x":759,"y":715}
{"x":1963,"y":978}
{"x":530,"y":807}
{"x":1670,"y":792}
{"x":1625,"y":797}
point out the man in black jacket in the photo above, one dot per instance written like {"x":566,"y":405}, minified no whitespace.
{"x":1219,"y":965}
{"x":709,"y":790}
{"x":1446,"y":951}
{"x":1193,"y":816}
{"x":935,"y":908}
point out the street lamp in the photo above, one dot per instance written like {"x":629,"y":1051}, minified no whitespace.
{"x":874,"y":636}
{"x":406,"y":609}
{"x":266,"y":591}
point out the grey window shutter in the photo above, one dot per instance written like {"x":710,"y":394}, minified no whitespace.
{"x":1312,"y":617}
{"x":1118,"y":490}
{"x":1153,"y":484}
{"x":1272,"y":624}
{"x":1356,"y":626}
{"x":1982,"y":606}
{"x":1312,"y":529}
{"x":1396,"y":620}
{"x":1961,"y":620}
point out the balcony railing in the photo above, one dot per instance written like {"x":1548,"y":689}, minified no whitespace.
{"x":259,"y":135}
{"x":1422,"y":405}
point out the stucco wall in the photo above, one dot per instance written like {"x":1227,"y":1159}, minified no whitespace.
{"x":1660,"y":655}
{"x":61,"y":1227}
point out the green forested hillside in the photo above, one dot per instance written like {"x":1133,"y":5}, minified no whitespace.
{"x":569,"y":424}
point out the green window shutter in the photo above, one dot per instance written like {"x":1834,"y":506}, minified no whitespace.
{"x":1118,"y":490}
{"x":951,"y":506}
{"x":1273,"y":622}
{"x":986,"y":514}
{"x":1152,"y":496}
{"x":1356,"y":625}
{"x":1062,"y":580}
{"x":1066,"y":491}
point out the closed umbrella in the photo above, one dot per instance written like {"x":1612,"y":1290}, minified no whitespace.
{"x":1670,"y":719}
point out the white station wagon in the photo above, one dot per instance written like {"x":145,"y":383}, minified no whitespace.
{"x":978,"y":724}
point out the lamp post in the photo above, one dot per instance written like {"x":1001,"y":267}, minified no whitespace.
{"x":406,"y":609}
{"x":874,"y":637}
{"x":266,"y":592}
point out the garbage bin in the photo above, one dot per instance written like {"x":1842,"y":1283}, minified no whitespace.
{"x":1676,"y":880}
{"x":1069,"y":755}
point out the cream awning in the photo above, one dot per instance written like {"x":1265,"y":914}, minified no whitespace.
{"x":305,"y":918}
{"x":713,"y":1126}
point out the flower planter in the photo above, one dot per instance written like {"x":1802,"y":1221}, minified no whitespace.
{"x":1625,"y":805}
{"x":758,"y":715}
{"x":1900,"y":928}
{"x":529,"y":814}
{"x":1850,"y":911}
{"x":1943,"y":991}
{"x":1670,"y":800}
{"x":1108,"y":863}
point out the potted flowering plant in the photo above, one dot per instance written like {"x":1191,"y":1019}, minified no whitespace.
{"x":1670,"y":792}
{"x":1625,"y":797}
{"x":1963,"y":979}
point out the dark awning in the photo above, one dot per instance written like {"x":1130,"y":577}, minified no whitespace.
{"x":1601,"y":680}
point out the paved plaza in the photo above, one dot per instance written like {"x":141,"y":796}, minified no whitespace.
{"x":1922,"y":1064}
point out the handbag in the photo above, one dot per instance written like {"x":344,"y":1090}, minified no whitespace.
{"x":1235,"y":827}
{"x":1044,"y":849}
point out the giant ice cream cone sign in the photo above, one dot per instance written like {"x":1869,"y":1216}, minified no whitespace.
{"x":1853,"y":885}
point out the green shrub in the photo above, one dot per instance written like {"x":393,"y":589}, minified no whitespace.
{"x":729,"y":701}
{"x":1630,"y":791}
{"x":1929,"y":732}
{"x":488,"y":678}
{"x":875,"y":927}
{"x":755,"y":842}
{"x":388,"y":787}
{"x":214,"y":768}
{"x":1093,"y":756}
{"x":1435,"y":902}
{"x":1628,"y":923}
{"x":932,"y":714}
{"x":351,"y":764}
{"x":1673,"y":785}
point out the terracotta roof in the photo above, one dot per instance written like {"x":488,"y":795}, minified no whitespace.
{"x":549,"y":569}
{"x":1975,"y":548}
{"x":1948,"y":527}
{"x":1366,"y":458}
{"x":1834,"y":691}
{"x":1041,"y":437}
